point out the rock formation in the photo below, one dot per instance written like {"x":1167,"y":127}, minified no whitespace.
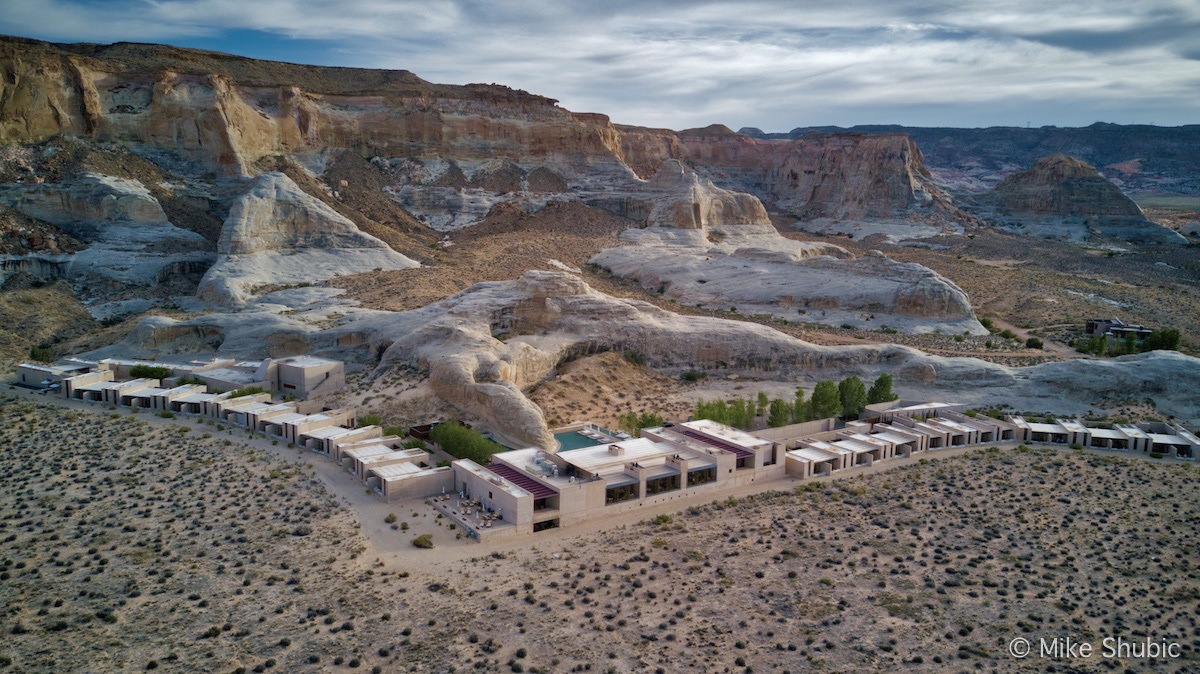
{"x":128,"y":239}
{"x":711,"y":247}
{"x":225,"y":113}
{"x":276,"y":235}
{"x":1062,"y":197}
{"x":548,"y":318}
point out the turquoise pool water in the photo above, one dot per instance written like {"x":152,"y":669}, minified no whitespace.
{"x":573,"y":440}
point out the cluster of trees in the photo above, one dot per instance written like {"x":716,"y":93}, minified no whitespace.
{"x":1166,"y":339}
{"x":633,"y":422}
{"x":849,"y":398}
{"x":149,"y":372}
{"x":464,"y":443}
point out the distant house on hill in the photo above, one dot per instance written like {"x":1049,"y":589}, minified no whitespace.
{"x":1116,"y":328}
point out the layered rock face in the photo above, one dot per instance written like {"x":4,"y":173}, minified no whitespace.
{"x":1063,"y":197}
{"x":845,"y":178}
{"x":128,"y":238}
{"x":225,"y":114}
{"x":711,"y":247}
{"x":276,"y":234}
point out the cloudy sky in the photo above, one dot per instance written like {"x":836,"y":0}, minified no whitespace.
{"x":772,"y":64}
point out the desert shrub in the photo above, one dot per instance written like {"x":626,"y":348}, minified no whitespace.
{"x":662,"y":519}
{"x":41,"y":353}
{"x":166,"y":414}
{"x":1156,"y":455}
{"x":635,"y":357}
{"x":415,"y":444}
{"x":1034,"y":343}
{"x":149,"y":372}
{"x":246,"y":391}
{"x":371,"y":419}
{"x":391,"y":517}
{"x":1008,"y":334}
{"x":692,"y":376}
{"x":424,"y":541}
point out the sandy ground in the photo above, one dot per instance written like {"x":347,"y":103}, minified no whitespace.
{"x":128,"y":540}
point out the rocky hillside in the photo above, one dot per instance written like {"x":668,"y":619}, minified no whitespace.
{"x":463,"y":144}
{"x":1063,"y":197}
{"x":1138,"y":158}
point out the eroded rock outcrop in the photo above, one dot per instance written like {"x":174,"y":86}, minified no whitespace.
{"x":276,"y":234}
{"x":127,"y":237}
{"x":1064,"y":198}
{"x":711,"y":247}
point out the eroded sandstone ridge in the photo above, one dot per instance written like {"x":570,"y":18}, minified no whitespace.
{"x":709,"y":247}
{"x":1064,"y":198}
{"x":481,"y":349}
{"x":278,"y":235}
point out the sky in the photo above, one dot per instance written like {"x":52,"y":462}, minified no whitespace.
{"x":770,"y":64}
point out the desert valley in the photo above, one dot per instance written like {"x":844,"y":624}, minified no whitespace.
{"x":839,"y":399}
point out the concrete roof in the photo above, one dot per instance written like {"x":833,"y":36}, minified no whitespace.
{"x":369,"y":450}
{"x":726,"y":433}
{"x":598,"y":459}
{"x":1171,"y":439}
{"x":813,"y":454}
{"x":329,"y":432}
{"x":396,"y":471}
{"x":196,"y":398}
{"x":892,"y":437}
{"x":243,"y":408}
{"x":1106,"y":433}
{"x":307,"y":361}
{"x":395,"y":454}
{"x":1132,"y":431}
{"x":1045,"y":428}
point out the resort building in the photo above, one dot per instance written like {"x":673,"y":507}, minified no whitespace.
{"x":529,"y":490}
{"x":1155,"y":437}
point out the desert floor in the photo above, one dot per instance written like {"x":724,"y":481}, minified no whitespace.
{"x":135,"y":542}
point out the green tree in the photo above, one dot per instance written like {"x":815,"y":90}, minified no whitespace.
{"x":149,"y":372}
{"x":780,"y":413}
{"x":881,"y":391}
{"x":826,"y":402}
{"x":763,"y":403}
{"x":853,"y":395}
{"x":633,"y":423}
{"x":1166,"y":339}
{"x":801,"y":411}
{"x":464,"y":443}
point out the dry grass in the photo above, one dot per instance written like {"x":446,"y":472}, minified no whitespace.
{"x":120,"y":551}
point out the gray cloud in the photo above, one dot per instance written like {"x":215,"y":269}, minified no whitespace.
{"x":773,"y":64}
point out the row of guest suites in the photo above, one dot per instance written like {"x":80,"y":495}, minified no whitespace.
{"x":382,"y":462}
{"x":530,"y":490}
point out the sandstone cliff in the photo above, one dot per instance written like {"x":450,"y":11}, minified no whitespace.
{"x":1063,"y":197}
{"x":224,"y":113}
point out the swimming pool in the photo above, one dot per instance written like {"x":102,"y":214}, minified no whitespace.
{"x":573,"y":440}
